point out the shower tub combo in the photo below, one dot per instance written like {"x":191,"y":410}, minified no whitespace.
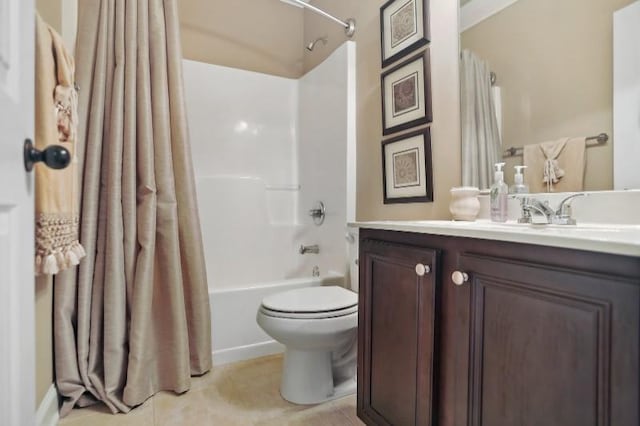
{"x":261,"y":164}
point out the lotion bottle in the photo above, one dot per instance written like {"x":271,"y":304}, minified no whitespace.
{"x":499,"y":193}
{"x":519,"y":187}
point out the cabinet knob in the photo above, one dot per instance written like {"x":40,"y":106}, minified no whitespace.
{"x":459,"y":278}
{"x":421,"y":269}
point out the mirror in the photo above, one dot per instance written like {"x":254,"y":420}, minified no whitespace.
{"x":552,"y":63}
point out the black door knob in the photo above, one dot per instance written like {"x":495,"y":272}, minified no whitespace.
{"x":54,"y":156}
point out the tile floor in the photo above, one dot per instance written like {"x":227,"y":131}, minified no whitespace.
{"x":240,"y":394}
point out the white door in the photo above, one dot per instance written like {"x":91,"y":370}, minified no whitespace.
{"x":626,"y":97}
{"x":17,"y":365}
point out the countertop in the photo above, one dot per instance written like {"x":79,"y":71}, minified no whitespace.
{"x":604,"y":238}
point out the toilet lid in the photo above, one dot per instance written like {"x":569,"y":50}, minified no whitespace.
{"x":311,"y":300}
{"x":310,"y":315}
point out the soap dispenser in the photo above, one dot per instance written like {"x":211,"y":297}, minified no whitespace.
{"x":499,"y":192}
{"x":519,"y":187}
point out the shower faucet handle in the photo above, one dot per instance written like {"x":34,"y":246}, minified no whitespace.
{"x":318,"y":213}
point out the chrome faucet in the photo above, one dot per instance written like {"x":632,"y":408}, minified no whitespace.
{"x":309,"y":249}
{"x":560,"y":216}
{"x":529,"y":205}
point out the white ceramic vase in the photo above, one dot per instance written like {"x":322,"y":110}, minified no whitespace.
{"x":464,"y":203}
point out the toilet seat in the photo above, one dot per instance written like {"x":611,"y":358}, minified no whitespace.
{"x":311,"y":303}
{"x":309,"y":315}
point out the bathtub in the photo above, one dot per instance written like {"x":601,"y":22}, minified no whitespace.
{"x":235,"y":334}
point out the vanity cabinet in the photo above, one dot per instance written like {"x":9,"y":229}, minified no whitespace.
{"x":527,"y":335}
{"x":550,"y":346}
{"x":397,"y":334}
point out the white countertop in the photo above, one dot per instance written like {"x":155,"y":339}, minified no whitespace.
{"x":605,"y":238}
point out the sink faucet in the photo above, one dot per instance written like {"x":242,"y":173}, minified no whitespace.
{"x":529,"y":205}
{"x":309,"y":249}
{"x":560,"y":216}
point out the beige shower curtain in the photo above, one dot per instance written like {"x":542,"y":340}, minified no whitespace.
{"x":133,"y":318}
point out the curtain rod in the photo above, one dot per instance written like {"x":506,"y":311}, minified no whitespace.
{"x":349,"y":25}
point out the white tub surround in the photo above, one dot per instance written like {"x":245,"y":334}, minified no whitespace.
{"x":244,"y":152}
{"x":265,"y":150}
{"x":325,"y":136}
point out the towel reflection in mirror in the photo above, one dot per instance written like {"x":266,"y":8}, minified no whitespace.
{"x":556,"y":166}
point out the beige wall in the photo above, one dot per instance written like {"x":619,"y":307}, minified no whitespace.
{"x":263,"y":36}
{"x":61,"y":15}
{"x":553,"y":61}
{"x":445,"y":131}
{"x":51,"y":12}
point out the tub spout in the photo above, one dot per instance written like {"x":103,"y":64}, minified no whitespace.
{"x":309,"y":249}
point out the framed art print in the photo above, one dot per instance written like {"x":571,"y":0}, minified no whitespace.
{"x":404,"y":27}
{"x":406,"y":95}
{"x":407,"y":174}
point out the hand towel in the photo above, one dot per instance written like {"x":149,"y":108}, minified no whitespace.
{"x":556,"y":166}
{"x":57,"y":245}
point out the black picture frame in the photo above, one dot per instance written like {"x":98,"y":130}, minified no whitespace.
{"x":416,"y":109}
{"x":410,"y":188}
{"x":416,"y":35}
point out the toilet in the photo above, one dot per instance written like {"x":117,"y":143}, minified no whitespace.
{"x":317,"y":326}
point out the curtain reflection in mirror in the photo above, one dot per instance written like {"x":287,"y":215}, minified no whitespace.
{"x":480,"y":131}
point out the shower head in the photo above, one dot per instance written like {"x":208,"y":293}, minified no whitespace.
{"x":312,"y":44}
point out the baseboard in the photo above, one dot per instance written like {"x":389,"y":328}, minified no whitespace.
{"x":47,"y":413}
{"x":242,"y":353}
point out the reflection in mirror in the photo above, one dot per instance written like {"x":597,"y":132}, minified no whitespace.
{"x":479,"y":119}
{"x":553,"y":67}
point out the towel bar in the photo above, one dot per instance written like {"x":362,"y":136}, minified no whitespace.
{"x":601,"y":139}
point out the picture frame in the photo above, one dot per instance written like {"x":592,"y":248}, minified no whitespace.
{"x":407,"y":172}
{"x":406,"y":94}
{"x":404,"y":27}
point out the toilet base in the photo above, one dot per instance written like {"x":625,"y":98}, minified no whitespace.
{"x":307,"y":378}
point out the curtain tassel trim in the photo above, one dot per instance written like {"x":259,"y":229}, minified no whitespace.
{"x":57,"y":245}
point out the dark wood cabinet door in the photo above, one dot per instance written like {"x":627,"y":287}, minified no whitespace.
{"x":396,"y":334}
{"x":550,"y":346}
